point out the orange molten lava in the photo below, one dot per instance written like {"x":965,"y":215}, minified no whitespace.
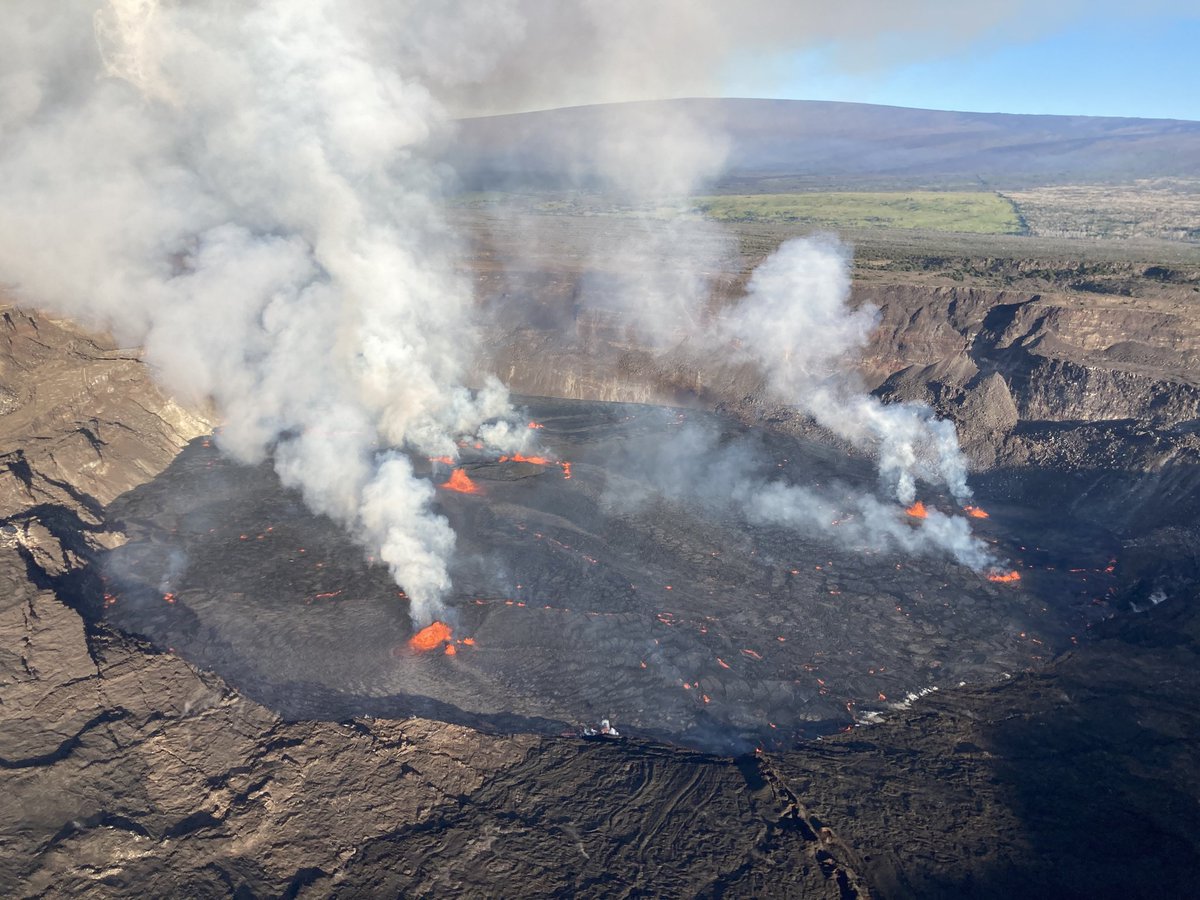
{"x":1004,"y":577}
{"x":536,"y":425}
{"x":461,"y":483}
{"x":975,"y":512}
{"x":430,"y":636}
{"x":918,"y":510}
{"x":444,"y":460}
{"x":450,"y":651}
{"x":517,"y":457}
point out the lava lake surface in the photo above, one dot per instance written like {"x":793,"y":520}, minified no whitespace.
{"x":581,"y":592}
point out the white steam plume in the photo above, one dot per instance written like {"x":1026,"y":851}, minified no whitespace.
{"x":796,"y":324}
{"x":244,"y":188}
{"x":238,"y":189}
{"x":862,"y":521}
{"x":794,"y":321}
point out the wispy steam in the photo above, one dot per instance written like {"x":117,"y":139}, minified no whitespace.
{"x":694,"y":465}
{"x":795,"y":324}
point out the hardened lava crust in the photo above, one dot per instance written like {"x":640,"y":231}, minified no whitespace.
{"x":582,"y":592}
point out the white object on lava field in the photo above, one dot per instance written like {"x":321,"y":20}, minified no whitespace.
{"x":1155,"y":598}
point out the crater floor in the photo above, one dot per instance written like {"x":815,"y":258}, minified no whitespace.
{"x":581,"y":593}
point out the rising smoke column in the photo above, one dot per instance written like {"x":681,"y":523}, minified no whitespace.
{"x":796,"y":324}
{"x":240,"y":191}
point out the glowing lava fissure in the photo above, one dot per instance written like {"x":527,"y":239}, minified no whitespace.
{"x":518,"y":457}
{"x":538,"y":461}
{"x":460,"y":482}
{"x":917,"y":510}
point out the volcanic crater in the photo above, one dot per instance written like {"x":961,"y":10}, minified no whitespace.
{"x":136,"y":768}
{"x":584,"y":591}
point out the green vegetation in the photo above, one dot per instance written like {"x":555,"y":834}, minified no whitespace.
{"x":976,"y":212}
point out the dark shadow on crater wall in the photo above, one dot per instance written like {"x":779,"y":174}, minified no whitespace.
{"x":1100,"y":765}
{"x":1079,"y":781}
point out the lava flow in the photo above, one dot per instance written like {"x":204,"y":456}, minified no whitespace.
{"x":918,"y":510}
{"x":1004,"y":577}
{"x":459,"y":481}
{"x":538,"y":461}
{"x":429,"y":637}
{"x":975,"y":512}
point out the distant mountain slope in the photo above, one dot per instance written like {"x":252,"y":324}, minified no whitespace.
{"x":788,"y":144}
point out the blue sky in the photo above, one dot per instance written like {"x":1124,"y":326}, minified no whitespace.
{"x":1142,"y":67}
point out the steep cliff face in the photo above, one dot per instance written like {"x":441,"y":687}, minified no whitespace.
{"x":1017,"y":370}
{"x":1065,"y":357}
{"x":82,"y":413}
{"x":82,"y":423}
{"x":1100,"y":394}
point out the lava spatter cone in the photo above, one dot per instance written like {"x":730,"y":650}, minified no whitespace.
{"x":459,"y":481}
{"x":431,"y":636}
{"x":917,"y":510}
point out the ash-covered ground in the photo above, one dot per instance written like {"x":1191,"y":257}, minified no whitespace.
{"x":581,"y":592}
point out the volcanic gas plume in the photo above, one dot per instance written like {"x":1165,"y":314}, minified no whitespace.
{"x":278,"y":250}
{"x":252,"y":193}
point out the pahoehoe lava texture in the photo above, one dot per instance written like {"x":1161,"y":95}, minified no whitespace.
{"x":592,"y":596}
